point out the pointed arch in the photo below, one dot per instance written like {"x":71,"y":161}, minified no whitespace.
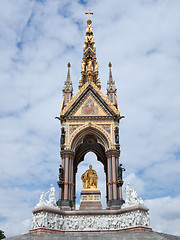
{"x":99,"y":133}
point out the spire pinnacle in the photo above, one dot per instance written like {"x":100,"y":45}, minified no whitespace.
{"x":110,"y":73}
{"x":89,"y":64}
{"x":89,"y":20}
{"x":68,"y":88}
{"x":111,"y":88}
{"x":68,"y":73}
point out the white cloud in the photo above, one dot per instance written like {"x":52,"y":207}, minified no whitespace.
{"x":135,"y":182}
{"x":164,"y":213}
{"x":16,"y":208}
{"x":142,"y":39}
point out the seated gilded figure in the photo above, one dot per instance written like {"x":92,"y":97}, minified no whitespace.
{"x":89,"y":178}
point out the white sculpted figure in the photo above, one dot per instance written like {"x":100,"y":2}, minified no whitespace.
{"x":131,"y":198}
{"x":52,"y":200}
{"x":44,"y":202}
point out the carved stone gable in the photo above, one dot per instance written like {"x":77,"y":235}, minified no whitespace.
{"x":90,"y":104}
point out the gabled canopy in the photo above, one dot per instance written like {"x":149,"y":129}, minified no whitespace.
{"x":89,"y":101}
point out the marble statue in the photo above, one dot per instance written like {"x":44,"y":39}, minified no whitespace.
{"x":132,"y":198}
{"x":44,"y":202}
{"x":52,"y":200}
{"x":89,"y":178}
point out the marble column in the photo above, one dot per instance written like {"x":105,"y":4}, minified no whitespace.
{"x":120,"y":192}
{"x":66,"y":186}
{"x":109,"y":177}
{"x":114,"y":177}
{"x":72,"y":179}
{"x":66,"y":177}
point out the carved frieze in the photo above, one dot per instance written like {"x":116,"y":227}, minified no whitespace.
{"x":136,"y":218}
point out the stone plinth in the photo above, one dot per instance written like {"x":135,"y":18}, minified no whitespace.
{"x":53,"y":220}
{"x":90,"y":199}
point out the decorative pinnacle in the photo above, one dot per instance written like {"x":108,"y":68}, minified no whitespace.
{"x":110,"y":84}
{"x":110,"y":73}
{"x":68,"y":73}
{"x":89,"y":20}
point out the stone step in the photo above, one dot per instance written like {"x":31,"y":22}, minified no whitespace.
{"x":98,"y":236}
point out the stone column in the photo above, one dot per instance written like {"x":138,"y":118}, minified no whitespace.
{"x":72,"y":179}
{"x":120,"y":192}
{"x":114,"y":192}
{"x":74,"y":189}
{"x":60,"y":193}
{"x":109,"y":178}
{"x":66,"y":177}
{"x":65,"y":193}
{"x":114,"y":177}
{"x":69,"y":179}
{"x":117,"y":164}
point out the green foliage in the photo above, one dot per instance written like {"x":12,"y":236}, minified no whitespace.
{"x":2,"y":236}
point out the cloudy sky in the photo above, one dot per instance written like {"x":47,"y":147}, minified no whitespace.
{"x":142,"y":40}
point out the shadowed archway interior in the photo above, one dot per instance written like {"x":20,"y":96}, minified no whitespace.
{"x":90,"y":158}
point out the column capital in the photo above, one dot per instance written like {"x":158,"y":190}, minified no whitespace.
{"x":67,"y":153}
{"x":113,"y":153}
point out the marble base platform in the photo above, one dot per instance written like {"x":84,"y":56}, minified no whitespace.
{"x":53,"y":220}
{"x":90,"y":199}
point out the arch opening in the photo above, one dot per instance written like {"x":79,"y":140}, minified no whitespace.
{"x":89,"y":138}
{"x":90,"y":158}
{"x":99,"y":136}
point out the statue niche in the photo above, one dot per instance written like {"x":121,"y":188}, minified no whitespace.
{"x":90,"y":195}
{"x":89,"y":178}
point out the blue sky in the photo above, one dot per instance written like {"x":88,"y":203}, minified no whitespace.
{"x":37,"y":40}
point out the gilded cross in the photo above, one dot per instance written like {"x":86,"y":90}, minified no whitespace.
{"x":89,"y":12}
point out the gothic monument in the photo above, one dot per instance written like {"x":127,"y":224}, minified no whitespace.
{"x":90,"y":122}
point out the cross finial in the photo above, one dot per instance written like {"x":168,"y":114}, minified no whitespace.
{"x":89,"y":12}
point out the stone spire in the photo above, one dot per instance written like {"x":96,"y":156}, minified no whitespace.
{"x":111,"y":88}
{"x":89,"y":65}
{"x":67,"y":89}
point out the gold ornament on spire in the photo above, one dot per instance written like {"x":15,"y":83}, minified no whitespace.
{"x":89,"y":65}
{"x":89,"y":20}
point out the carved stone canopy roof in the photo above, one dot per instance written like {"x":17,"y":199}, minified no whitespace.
{"x":89,"y":87}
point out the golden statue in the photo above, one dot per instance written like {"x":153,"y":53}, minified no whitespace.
{"x":89,"y":65}
{"x":96,"y":66}
{"x":89,"y":178}
{"x":83,"y":66}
